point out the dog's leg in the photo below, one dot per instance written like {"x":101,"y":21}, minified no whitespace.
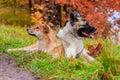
{"x":86,"y":56}
{"x":33,"y":47}
{"x":71,"y":51}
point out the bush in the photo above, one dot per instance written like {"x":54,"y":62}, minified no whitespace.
{"x":15,"y":17}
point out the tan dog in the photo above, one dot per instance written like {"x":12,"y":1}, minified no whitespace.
{"x":47,"y":41}
{"x":71,"y":36}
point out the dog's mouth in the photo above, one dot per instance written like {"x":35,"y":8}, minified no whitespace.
{"x":31,"y":34}
{"x":89,"y":35}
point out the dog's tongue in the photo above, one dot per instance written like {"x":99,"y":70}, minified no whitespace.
{"x":90,"y":36}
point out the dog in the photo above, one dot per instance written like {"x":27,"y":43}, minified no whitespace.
{"x":72,"y":36}
{"x":47,"y":41}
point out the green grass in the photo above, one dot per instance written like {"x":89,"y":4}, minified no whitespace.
{"x":14,"y":36}
{"x":107,"y":66}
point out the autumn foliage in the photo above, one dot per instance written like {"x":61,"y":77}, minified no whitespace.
{"x":95,"y":11}
{"x":95,"y":51}
{"x":56,"y":12}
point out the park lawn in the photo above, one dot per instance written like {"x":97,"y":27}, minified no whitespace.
{"x":106,"y":66}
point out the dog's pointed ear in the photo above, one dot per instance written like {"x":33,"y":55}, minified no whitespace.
{"x":46,"y":29}
{"x":73,"y":18}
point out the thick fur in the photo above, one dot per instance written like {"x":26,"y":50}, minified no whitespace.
{"x":72,"y":37}
{"x":47,"y":41}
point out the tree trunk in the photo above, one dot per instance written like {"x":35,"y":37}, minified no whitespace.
{"x":30,"y":5}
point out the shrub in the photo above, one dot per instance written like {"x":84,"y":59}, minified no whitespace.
{"x":15,"y":17}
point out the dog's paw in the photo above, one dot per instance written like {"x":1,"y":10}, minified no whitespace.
{"x":9,"y":50}
{"x":70,"y":53}
{"x":86,"y":56}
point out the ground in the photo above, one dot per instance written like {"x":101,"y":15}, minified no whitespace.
{"x":9,"y":70}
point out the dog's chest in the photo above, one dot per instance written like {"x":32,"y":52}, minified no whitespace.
{"x":70,"y":37}
{"x":47,"y":47}
{"x":42,"y":45}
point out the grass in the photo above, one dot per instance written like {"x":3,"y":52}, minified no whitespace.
{"x":12,"y":36}
{"x":107,"y":66}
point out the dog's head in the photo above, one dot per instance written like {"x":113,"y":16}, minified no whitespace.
{"x":39,"y":31}
{"x":82,"y":27}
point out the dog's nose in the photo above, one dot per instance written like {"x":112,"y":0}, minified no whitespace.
{"x":27,"y":29}
{"x":93,"y":29}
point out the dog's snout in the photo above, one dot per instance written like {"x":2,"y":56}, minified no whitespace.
{"x":95,"y":29}
{"x":27,"y":29}
{"x":92,"y":29}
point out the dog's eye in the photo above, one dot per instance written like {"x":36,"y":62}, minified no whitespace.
{"x":37,"y":27}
